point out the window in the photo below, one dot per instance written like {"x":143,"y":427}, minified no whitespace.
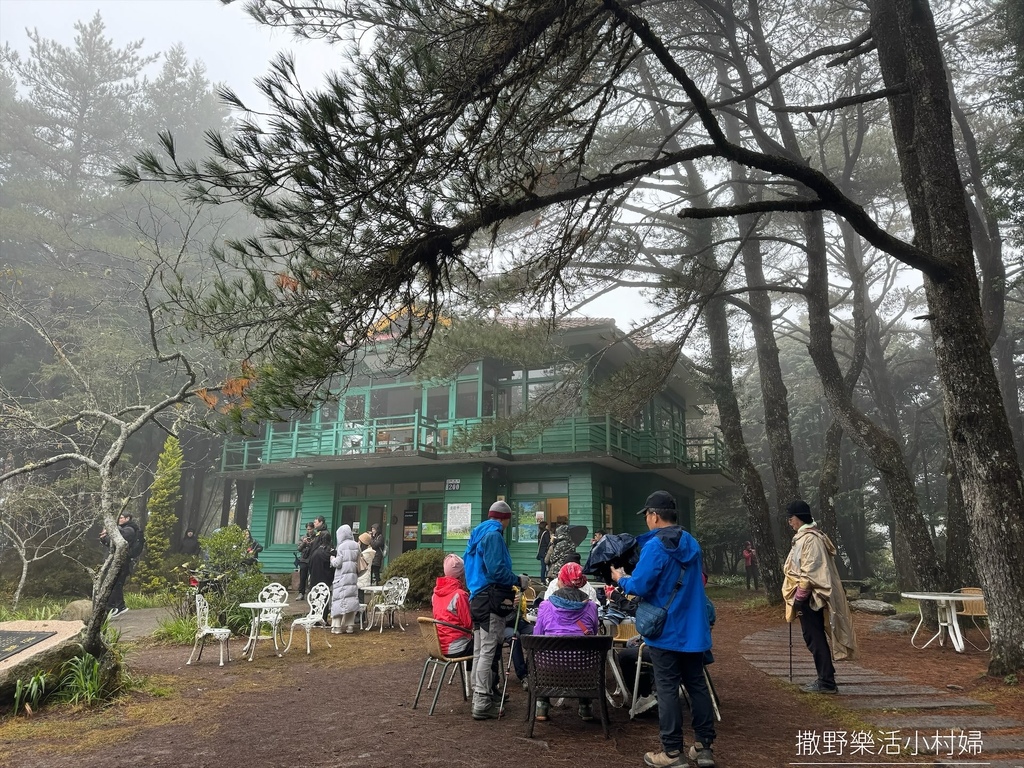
{"x":431,"y":518}
{"x":466,"y":400}
{"x":285,"y":514}
{"x":437,"y":403}
{"x":355,"y":407}
{"x":329,"y":412}
{"x":382,"y":489}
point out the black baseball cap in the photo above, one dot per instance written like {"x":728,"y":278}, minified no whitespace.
{"x":658,"y":500}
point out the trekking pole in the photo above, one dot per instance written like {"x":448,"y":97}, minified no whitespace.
{"x":520,"y":610}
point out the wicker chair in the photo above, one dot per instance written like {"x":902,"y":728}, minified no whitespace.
{"x":975,"y":609}
{"x":435,"y":659}
{"x":566,"y":666}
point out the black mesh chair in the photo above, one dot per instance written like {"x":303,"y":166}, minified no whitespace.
{"x":566,"y":666}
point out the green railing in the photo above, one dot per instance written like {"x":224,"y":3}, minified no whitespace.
{"x":402,"y":434}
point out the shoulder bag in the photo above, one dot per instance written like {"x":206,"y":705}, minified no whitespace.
{"x":650,"y":619}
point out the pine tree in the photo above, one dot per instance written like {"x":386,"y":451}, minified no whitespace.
{"x":151,"y":574}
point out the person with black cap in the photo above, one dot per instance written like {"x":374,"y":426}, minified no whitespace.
{"x":670,"y":575}
{"x":489,"y":579}
{"x":813,"y":591}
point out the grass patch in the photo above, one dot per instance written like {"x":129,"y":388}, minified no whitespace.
{"x":176,"y":631}
{"x":137,"y":601}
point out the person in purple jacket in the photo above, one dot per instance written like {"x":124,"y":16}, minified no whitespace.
{"x":567,"y":612}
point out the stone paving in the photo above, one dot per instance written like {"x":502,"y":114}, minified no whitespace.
{"x":880,"y":700}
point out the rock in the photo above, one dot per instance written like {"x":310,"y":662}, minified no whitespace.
{"x":893,"y":627}
{"x":78,"y":610}
{"x":873,"y":606}
{"x":46,"y":656}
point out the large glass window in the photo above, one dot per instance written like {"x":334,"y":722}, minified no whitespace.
{"x":285,"y":513}
{"x":394,"y":401}
{"x":437,"y":403}
{"x":355,"y":407}
{"x":467,"y":404}
{"x":546,"y":500}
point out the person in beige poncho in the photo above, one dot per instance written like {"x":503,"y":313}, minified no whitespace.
{"x":813,"y":591}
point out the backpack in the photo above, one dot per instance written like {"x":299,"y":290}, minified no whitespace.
{"x":137,"y":545}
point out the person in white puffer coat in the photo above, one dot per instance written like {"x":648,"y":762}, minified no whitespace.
{"x":344,"y":600}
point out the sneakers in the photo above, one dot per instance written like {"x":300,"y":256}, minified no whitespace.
{"x":491,"y":711}
{"x":301,"y":598}
{"x":586,"y":712}
{"x":702,"y":755}
{"x":819,"y":687}
{"x":541,"y":712}
{"x":115,"y":612}
{"x":525,"y":683}
{"x":644,"y":703}
{"x":665,"y":759}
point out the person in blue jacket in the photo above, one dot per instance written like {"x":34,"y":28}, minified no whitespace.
{"x":670,"y":556}
{"x":489,"y":580}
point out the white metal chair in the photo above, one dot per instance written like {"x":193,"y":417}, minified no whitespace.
{"x":272,"y":593}
{"x":204,"y":630}
{"x":317,"y":599}
{"x":391,"y":601}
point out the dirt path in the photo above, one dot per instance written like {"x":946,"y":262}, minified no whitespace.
{"x":351,"y":706}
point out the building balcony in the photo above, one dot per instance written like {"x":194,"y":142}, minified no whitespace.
{"x":412,"y":439}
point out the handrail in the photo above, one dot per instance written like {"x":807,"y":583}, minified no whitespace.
{"x":416,"y":433}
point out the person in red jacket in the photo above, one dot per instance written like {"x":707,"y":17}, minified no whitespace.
{"x":450,"y":604}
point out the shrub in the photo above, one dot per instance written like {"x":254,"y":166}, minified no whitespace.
{"x":225,"y":549}
{"x":152,"y":569}
{"x":422,"y":567}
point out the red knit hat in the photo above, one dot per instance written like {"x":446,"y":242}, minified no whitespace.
{"x":571,"y":575}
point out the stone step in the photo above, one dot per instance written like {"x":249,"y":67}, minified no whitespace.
{"x":858,"y":689}
{"x":910,"y":702}
{"x":965,"y":722}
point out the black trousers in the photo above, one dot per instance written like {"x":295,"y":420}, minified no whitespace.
{"x":812,"y":623}
{"x":116,"y":599}
{"x":752,"y":574}
{"x":303,"y":577}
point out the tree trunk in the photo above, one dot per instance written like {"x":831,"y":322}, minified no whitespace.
{"x":225,"y":503}
{"x":243,"y":502}
{"x":982,"y":444}
{"x":759,"y":516}
{"x":960,"y":569}
{"x":883,"y":448}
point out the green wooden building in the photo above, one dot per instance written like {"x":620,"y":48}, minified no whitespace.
{"x":392,"y":450}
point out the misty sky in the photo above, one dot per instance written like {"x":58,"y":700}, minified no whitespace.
{"x":234,"y":48}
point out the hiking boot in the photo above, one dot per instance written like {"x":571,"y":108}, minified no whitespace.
{"x":665,"y":759}
{"x":702,"y":756}
{"x":541,"y":712}
{"x":586,"y":712}
{"x":819,"y":687}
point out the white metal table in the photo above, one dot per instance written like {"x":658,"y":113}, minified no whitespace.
{"x":945,"y":604}
{"x":257,"y":607}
